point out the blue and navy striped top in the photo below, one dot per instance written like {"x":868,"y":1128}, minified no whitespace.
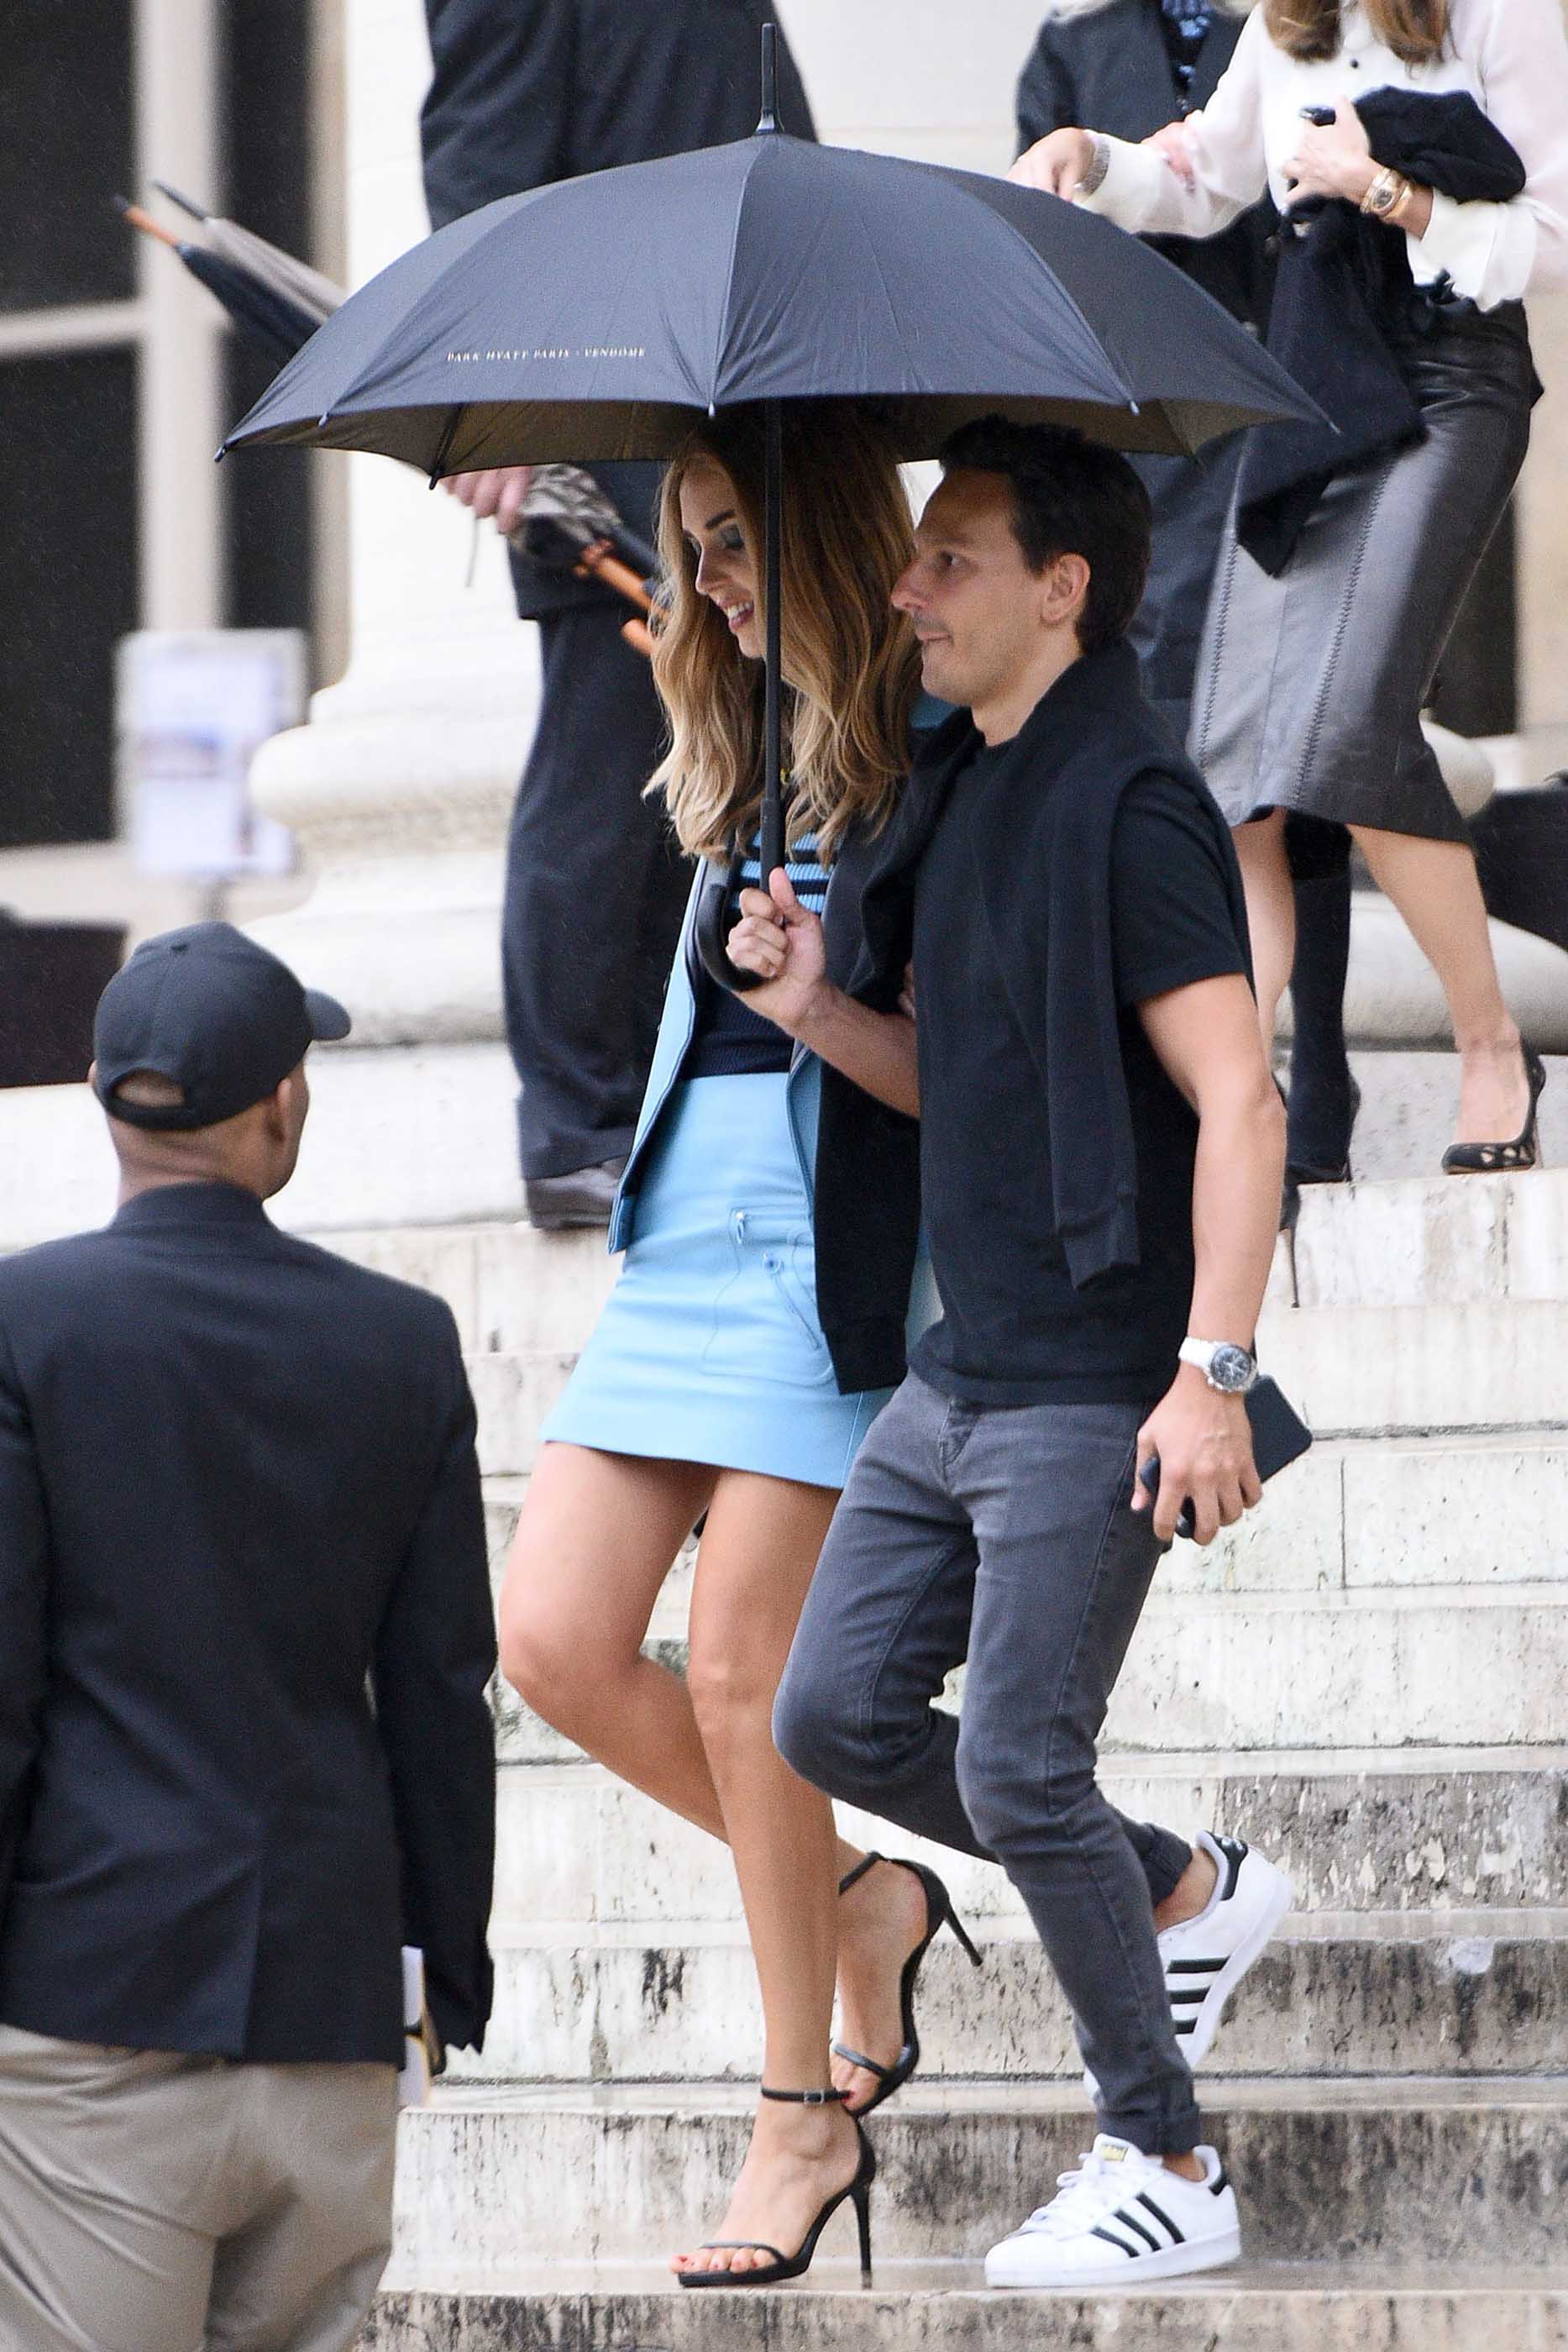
{"x":730,"y":1040}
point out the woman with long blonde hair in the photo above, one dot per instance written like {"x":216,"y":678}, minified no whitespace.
{"x":1337,"y":589}
{"x":709,"y":1391}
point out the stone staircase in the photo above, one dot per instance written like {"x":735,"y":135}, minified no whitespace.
{"x":1368,"y":1681}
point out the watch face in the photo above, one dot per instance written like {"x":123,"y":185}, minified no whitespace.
{"x":1231,"y":1369}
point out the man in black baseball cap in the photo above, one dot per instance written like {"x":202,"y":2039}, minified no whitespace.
{"x":217,"y":1018}
{"x":245,"y":1752}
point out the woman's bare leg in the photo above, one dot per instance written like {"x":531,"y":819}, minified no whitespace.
{"x":594,"y":1544}
{"x":1435,"y":889}
{"x":598,"y":1535}
{"x":759,"y":1551}
{"x":1270,"y":912}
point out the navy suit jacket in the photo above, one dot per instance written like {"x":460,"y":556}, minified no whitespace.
{"x":246,"y":1637}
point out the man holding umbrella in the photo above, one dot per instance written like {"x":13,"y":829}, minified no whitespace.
{"x":524,"y":92}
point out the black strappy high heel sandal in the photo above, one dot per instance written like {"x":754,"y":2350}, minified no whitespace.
{"x":1505,"y":1159}
{"x":939,"y":1913}
{"x":791,"y":2267}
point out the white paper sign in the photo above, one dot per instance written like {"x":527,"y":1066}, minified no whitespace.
{"x":193,"y":708}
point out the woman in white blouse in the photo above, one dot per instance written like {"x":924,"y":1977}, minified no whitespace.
{"x":1312,"y":678}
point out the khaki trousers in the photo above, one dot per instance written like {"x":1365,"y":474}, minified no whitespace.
{"x":151,"y":2202}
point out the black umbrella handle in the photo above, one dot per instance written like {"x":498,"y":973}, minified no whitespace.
{"x":712,"y":929}
{"x":773,"y":722}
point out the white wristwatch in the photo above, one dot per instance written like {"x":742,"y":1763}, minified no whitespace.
{"x":1225,"y":1366}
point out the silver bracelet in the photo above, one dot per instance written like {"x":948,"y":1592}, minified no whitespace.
{"x":1099,"y":165}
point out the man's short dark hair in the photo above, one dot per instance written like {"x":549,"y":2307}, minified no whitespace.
{"x":1071,"y":496}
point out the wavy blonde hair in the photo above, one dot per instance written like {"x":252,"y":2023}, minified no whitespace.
{"x":852,"y":664}
{"x":1415,"y":30}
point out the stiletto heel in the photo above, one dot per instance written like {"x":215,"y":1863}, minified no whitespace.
{"x":791,"y":2266}
{"x":939,"y":1913}
{"x":1502,"y":1159}
{"x":863,"y":2220}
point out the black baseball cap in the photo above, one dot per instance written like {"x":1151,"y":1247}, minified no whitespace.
{"x":218,"y":1016}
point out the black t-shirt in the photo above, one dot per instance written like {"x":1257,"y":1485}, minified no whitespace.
{"x":1014,"y":1329}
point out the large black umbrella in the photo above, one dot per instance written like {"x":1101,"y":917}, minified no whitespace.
{"x":597,"y":317}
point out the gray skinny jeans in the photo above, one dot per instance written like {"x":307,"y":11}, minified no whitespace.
{"x":1003,"y":1535}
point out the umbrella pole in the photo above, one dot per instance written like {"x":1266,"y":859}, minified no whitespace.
{"x":773,"y":732}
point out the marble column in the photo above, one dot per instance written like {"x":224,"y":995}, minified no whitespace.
{"x":399,"y":787}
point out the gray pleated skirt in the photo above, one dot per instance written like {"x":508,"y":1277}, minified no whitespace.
{"x":1311,"y":685}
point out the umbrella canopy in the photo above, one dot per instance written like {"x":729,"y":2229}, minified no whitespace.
{"x":595,"y":317}
{"x":268,"y":317}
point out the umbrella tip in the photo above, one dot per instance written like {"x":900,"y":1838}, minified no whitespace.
{"x":769,"y":119}
{"x":186,"y":203}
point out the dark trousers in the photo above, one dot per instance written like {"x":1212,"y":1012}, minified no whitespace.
{"x":596,"y":888}
{"x":1005,"y":1535}
{"x":1191,"y":497}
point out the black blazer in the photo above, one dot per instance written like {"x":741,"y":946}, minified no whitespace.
{"x":528,"y":92}
{"x":1106,"y":67}
{"x":246,"y":1637}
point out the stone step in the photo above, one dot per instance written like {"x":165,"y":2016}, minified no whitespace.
{"x":1422,"y":1241}
{"x":1360,"y":1669}
{"x":1370,"y":1371}
{"x":1429,"y":1833}
{"x":1409,"y":1097}
{"x":1410,"y":1666}
{"x":1364,"y":1371}
{"x":1377,"y":2171}
{"x":512,"y":1288}
{"x":1433,"y":1242}
{"x":1361,"y":1993}
{"x":944,"y":2307}
{"x":1359,"y":1514}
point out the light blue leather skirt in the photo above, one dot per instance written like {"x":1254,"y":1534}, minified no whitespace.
{"x":709,"y":1349}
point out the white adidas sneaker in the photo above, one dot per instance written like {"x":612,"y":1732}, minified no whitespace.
{"x":1205,"y":1958}
{"x":1121,"y":2219}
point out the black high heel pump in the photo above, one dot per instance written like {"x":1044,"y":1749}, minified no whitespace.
{"x":791,"y":2267}
{"x":939,"y":1913}
{"x":1502,"y":1159}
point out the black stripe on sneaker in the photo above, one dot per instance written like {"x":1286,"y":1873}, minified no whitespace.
{"x":1235,"y":1854}
{"x":1180,"y":2025}
{"x":1189,"y":1993}
{"x":1120,"y":2243}
{"x":1130,"y":2221}
{"x":1193,"y":1967}
{"x":1218,"y":2188}
{"x":1162,"y":2219}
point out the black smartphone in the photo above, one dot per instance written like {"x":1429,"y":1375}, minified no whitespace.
{"x":1321,"y":116}
{"x":1279,"y":1437}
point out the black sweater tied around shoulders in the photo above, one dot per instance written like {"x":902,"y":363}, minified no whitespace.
{"x":1085,"y":742}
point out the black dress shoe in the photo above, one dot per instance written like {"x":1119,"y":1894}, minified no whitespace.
{"x":585,"y":1196}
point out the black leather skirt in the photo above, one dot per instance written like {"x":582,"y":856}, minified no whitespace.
{"x":1311,"y":685}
